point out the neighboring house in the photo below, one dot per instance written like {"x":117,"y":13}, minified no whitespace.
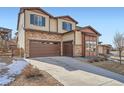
{"x":104,"y":49}
{"x":41,"y":34}
{"x":5,"y":35}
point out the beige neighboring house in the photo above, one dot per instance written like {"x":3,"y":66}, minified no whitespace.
{"x":5,"y":36}
{"x":104,"y":49}
{"x":41,"y":34}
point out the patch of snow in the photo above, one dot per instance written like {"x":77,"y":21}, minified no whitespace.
{"x":14,"y":69}
{"x":5,"y":80}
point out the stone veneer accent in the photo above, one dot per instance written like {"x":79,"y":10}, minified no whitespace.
{"x":37,"y":35}
{"x":77,"y":50}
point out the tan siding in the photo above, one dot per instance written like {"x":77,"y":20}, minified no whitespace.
{"x":68,"y":37}
{"x":78,"y":44}
{"x":60,"y":30}
{"x":53,"y":25}
{"x":100,"y":49}
{"x":78,"y":38}
{"x":21,"y":33}
{"x":28,"y":25}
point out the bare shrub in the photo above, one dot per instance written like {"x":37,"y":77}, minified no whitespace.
{"x":30,"y":72}
{"x":90,"y":60}
{"x":100,"y":59}
{"x":103,"y":57}
{"x":96,"y":59}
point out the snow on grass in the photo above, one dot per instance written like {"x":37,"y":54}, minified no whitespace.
{"x":13,"y":69}
{"x":16,"y":67}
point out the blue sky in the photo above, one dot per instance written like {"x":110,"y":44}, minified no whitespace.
{"x":107,"y":21}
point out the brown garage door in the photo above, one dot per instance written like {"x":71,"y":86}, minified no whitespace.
{"x":68,"y":48}
{"x":44,"y":48}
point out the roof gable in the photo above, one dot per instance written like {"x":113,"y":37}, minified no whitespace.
{"x":35,"y":9}
{"x":67,"y":18}
{"x":89,"y":29}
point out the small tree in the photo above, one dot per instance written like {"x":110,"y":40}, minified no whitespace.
{"x":119,"y":43}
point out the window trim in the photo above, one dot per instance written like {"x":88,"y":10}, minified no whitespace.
{"x":90,"y":45}
{"x":66,"y":26}
{"x":37,"y":20}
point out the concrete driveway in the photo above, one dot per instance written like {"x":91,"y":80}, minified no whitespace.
{"x":72,"y":72}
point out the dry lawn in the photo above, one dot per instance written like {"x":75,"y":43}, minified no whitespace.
{"x":33,"y":77}
{"x":109,"y":65}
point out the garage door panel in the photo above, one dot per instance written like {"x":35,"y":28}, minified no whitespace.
{"x":68,"y":48}
{"x":44,"y":48}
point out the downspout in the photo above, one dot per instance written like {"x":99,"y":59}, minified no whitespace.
{"x":97,"y":45}
{"x":74,"y":44}
{"x":57,"y":25}
{"x":24,"y":35}
{"x":84,"y":42}
{"x":49,"y":24}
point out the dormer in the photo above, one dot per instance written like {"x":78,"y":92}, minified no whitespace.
{"x":66,"y":23}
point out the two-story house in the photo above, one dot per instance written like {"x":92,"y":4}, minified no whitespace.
{"x":5,"y":37}
{"x":41,"y":34}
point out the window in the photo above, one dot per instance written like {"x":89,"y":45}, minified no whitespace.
{"x":40,"y":21}
{"x":31,"y":19}
{"x":67,"y":26}
{"x":43,"y":21}
{"x":90,"y":46}
{"x":37,"y":20}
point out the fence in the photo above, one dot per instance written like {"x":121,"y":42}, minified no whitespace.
{"x":18,"y":52}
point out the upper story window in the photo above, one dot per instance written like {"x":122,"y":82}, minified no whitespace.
{"x":67,"y":26}
{"x":37,"y":20}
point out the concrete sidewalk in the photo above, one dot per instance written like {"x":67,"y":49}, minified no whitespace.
{"x":72,"y":72}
